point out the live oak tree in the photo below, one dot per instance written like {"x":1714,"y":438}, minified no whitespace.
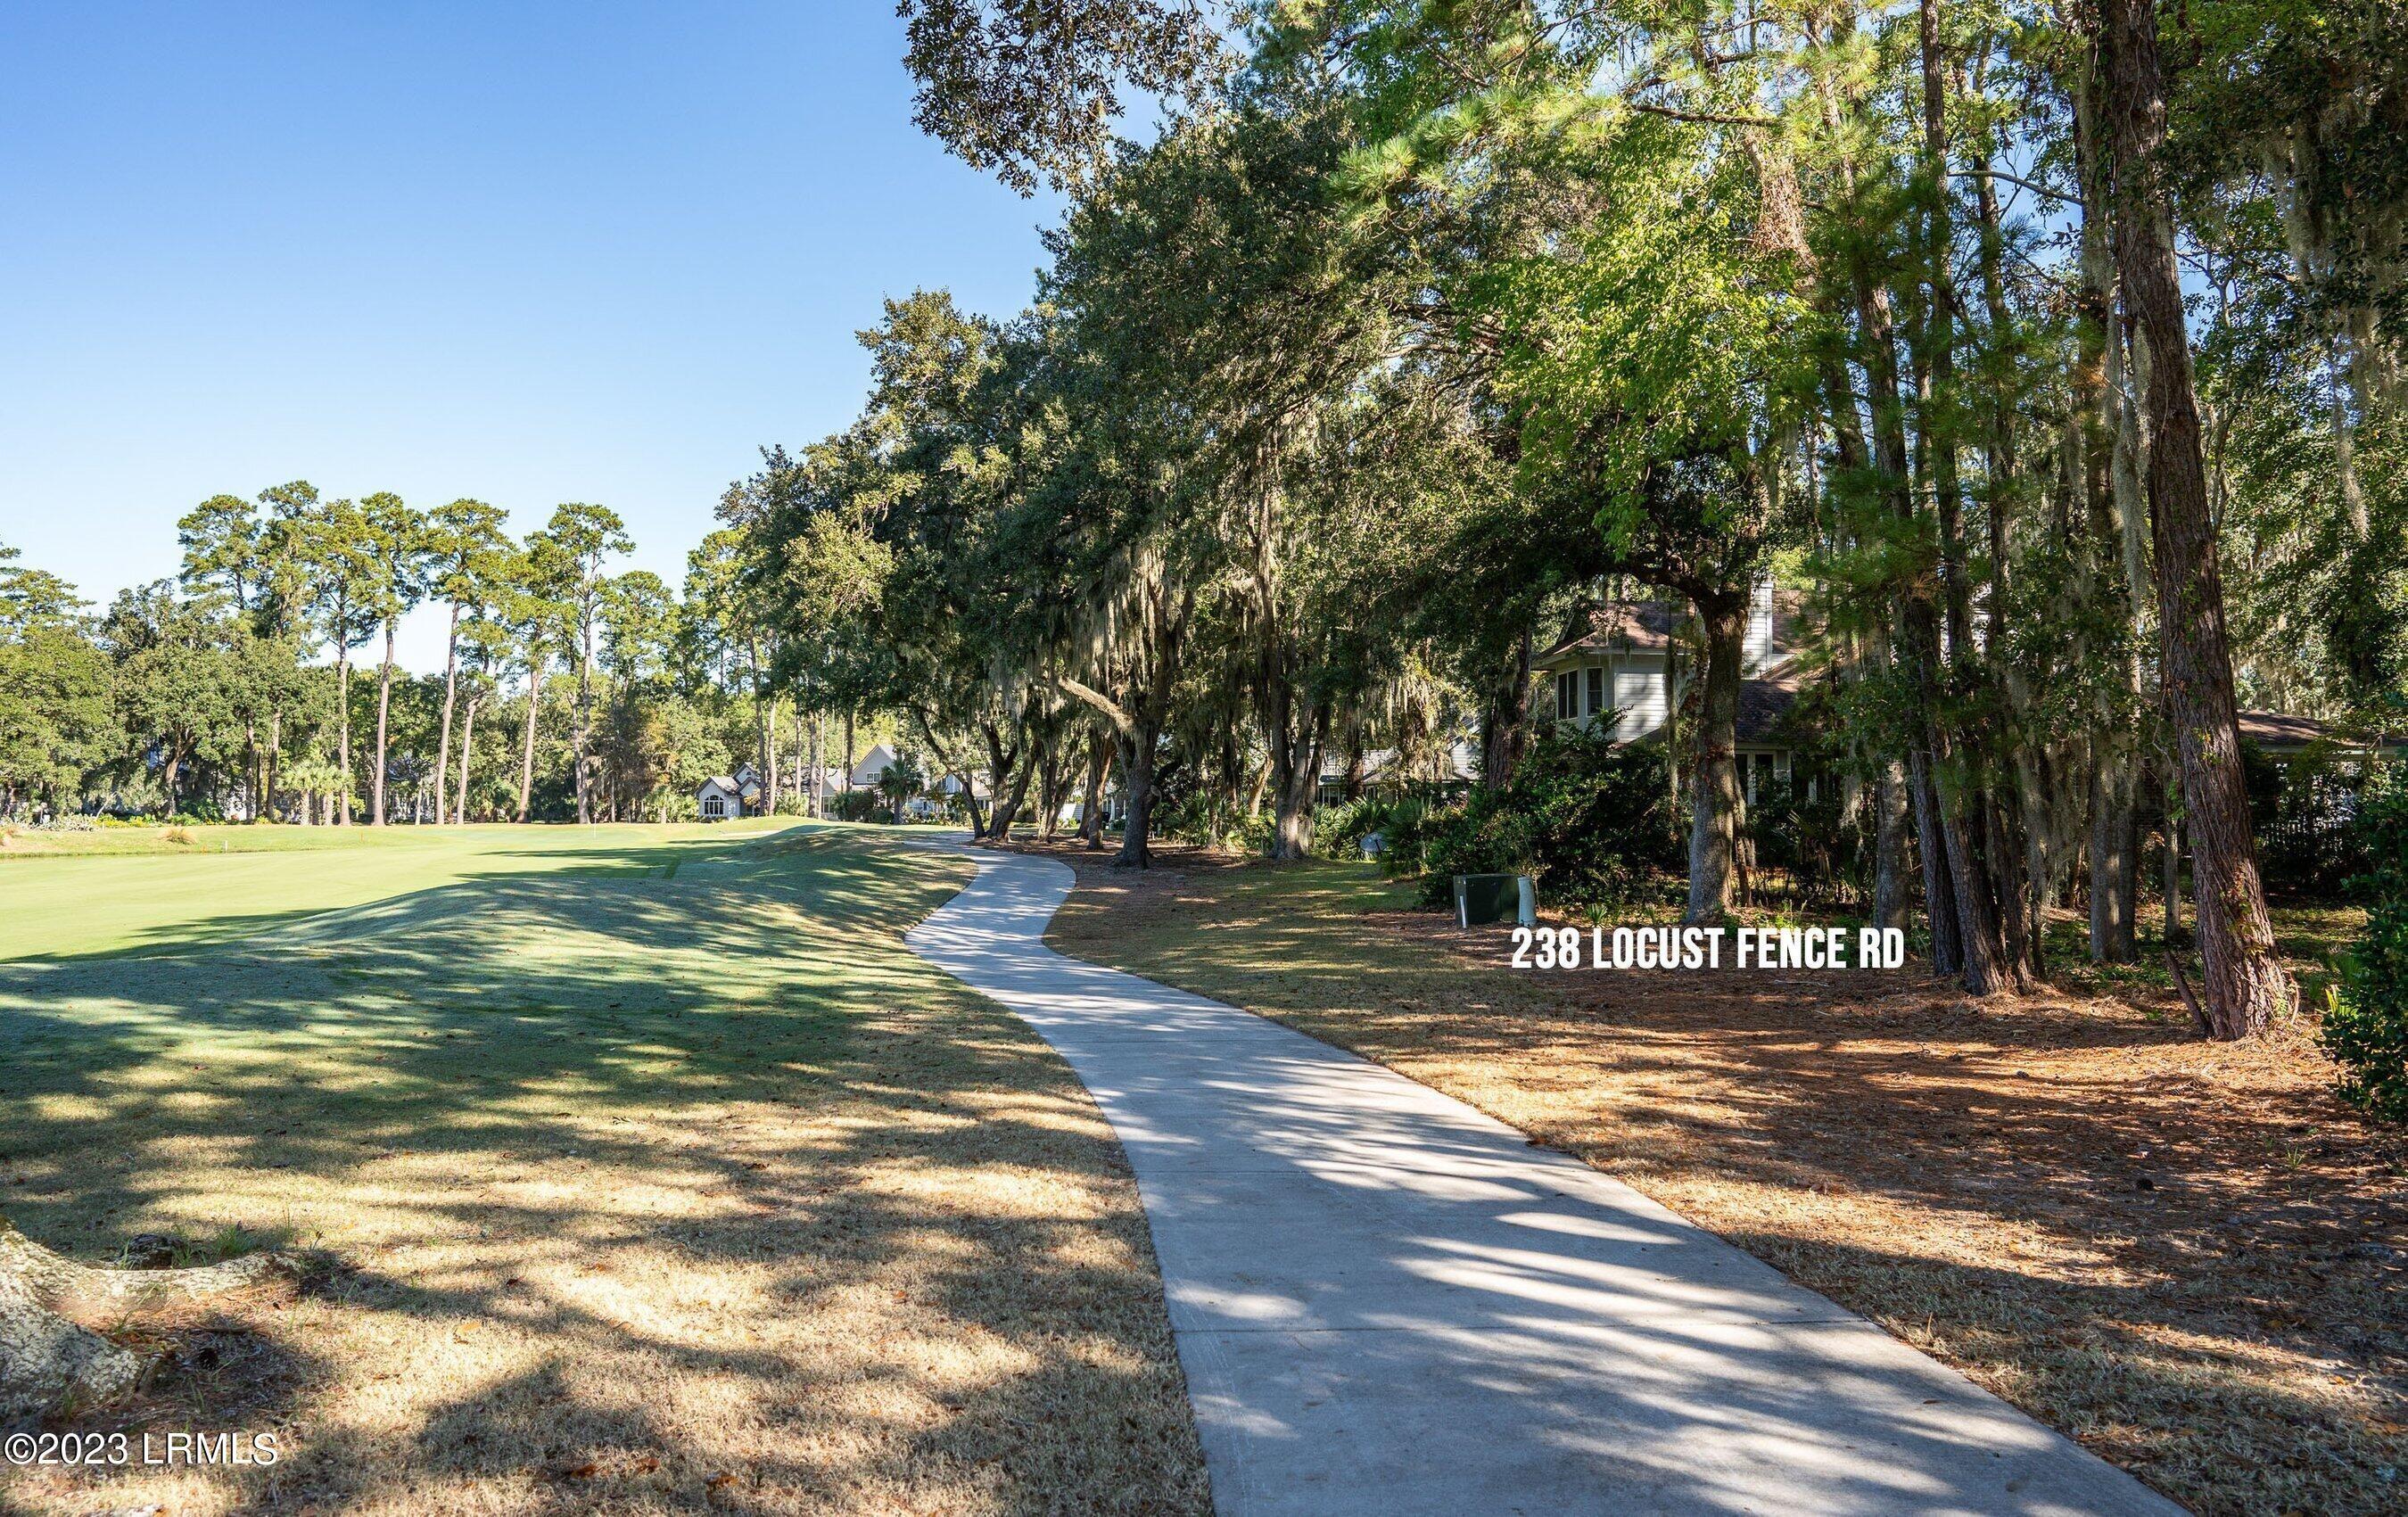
{"x":1031,"y":90}
{"x":55,"y":708}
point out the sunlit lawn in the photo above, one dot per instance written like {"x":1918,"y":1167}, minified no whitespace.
{"x":647,"y":1191}
{"x":120,"y":888}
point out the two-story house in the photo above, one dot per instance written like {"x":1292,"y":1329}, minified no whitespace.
{"x":1619,"y":661}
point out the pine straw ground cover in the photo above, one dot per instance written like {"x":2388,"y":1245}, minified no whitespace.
{"x":2187,"y":1255}
{"x":643,"y":1195}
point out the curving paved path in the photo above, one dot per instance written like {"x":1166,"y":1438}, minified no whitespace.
{"x":1387,"y":1303}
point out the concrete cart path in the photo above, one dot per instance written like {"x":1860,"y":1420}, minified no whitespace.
{"x":1387,"y":1303}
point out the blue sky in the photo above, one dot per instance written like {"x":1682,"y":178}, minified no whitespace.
{"x":528,"y":252}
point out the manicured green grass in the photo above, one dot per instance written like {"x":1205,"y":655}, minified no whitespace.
{"x":647,"y":1191}
{"x":123,"y":889}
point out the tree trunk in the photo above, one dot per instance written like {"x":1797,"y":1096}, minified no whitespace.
{"x":1889,"y":847}
{"x":526,"y":751}
{"x":584,"y":725}
{"x":2172,"y":864}
{"x":1296,"y":774}
{"x":1931,"y":851}
{"x":818,"y":801}
{"x":1714,"y":763}
{"x":1091,"y":812}
{"x":1137,"y":783}
{"x":384,"y":706}
{"x":1009,"y":783}
{"x":2114,"y":850}
{"x":1505,"y":718}
{"x":450,"y":682}
{"x":805,"y":762}
{"x":2105,"y":430}
{"x":343,"y":731}
{"x":1049,"y":789}
{"x":51,"y":1364}
{"x":467,"y":738}
{"x":2243,"y":984}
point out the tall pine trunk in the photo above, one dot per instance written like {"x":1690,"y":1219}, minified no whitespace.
{"x":526,"y":749}
{"x":584,"y":723}
{"x":816,"y":766}
{"x":2114,"y":853}
{"x":2104,"y":431}
{"x":2243,"y":984}
{"x":1714,"y":763}
{"x":450,"y":686}
{"x":275,"y":750}
{"x":467,"y":738}
{"x":1889,"y":847}
{"x":384,"y":708}
{"x":343,"y":734}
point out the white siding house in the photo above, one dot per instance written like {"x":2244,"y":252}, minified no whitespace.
{"x":1618,"y":661}
{"x":725,"y":796}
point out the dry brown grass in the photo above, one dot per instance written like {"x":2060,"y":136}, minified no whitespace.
{"x":647,"y":1195}
{"x":2188,"y":1255}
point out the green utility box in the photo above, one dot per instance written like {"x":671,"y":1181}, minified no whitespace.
{"x":1492,"y":897}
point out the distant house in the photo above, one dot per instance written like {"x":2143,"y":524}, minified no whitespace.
{"x":873,"y":766}
{"x":1452,"y":771}
{"x":1617,"y":661}
{"x":723,"y":796}
{"x":1613,"y":662}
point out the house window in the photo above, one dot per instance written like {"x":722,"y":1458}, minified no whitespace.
{"x":714,"y":806}
{"x":1758,"y":774}
{"x":1596,"y":689}
{"x":1567,"y":695}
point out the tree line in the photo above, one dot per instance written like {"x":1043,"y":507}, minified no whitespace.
{"x":260,"y":683}
{"x":2049,"y":350}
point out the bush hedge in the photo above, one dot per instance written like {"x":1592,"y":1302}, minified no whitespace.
{"x":1584,"y":816}
{"x":2366,"y":1026}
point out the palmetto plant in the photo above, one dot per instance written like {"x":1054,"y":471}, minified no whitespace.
{"x":309,"y":779}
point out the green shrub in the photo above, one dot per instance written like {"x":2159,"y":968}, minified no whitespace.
{"x":1809,"y":839}
{"x":1406,"y":831}
{"x":1339,"y":827}
{"x":859,"y":805}
{"x":1588,"y":818}
{"x":2366,"y":1026}
{"x":1212,"y":821}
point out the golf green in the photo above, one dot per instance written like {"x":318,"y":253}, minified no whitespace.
{"x":235,"y":883}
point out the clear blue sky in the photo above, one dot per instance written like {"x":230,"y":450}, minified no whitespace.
{"x":528,"y":252}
